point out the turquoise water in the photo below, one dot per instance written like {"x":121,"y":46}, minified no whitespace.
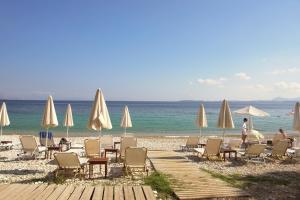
{"x":154,"y":118}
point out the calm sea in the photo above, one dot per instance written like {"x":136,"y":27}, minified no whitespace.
{"x":152,"y":118}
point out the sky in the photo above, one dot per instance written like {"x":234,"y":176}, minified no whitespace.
{"x":150,"y":50}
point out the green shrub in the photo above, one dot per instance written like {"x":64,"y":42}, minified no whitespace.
{"x":159,"y":182}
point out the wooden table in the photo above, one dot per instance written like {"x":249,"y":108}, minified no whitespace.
{"x":111,"y":150}
{"x":97,"y":161}
{"x":229,"y":151}
{"x":51,"y":149}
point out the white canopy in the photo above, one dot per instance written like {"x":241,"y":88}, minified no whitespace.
{"x":126,"y":119}
{"x":252,"y":111}
{"x":68,"y":119}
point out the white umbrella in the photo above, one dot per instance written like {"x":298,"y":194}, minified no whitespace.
{"x":4,"y":119}
{"x":99,"y":117}
{"x":225,"y":119}
{"x":68,"y":119}
{"x":49,"y":117}
{"x":252,"y":111}
{"x":296,"y":122}
{"x":201,"y":120}
{"x":126,"y":119}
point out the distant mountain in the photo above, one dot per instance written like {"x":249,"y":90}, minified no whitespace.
{"x":286,"y":99}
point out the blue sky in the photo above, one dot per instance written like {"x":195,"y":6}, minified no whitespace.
{"x":150,"y":50}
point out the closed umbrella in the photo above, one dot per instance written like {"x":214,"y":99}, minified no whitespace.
{"x":252,"y":111}
{"x":49,"y":117}
{"x":4,"y":119}
{"x":296,"y":122}
{"x":68,"y":119}
{"x":126,"y":119}
{"x":225,"y":119}
{"x":201,"y":120}
{"x":99,"y":116}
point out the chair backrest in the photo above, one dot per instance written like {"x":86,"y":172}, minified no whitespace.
{"x":106,"y":141}
{"x":234,"y":143}
{"x":255,"y":149}
{"x":43,"y":138}
{"x":279,"y":149}
{"x":277,"y":138}
{"x":127,"y":142}
{"x":92,"y":148}
{"x":192,"y":141}
{"x":135,"y":156}
{"x":67,"y":160}
{"x":29,"y":143}
{"x":213,"y":146}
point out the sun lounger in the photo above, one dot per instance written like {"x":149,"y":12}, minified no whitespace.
{"x":279,"y":149}
{"x":30,"y":146}
{"x":135,"y":158}
{"x":106,"y":141}
{"x":43,"y":138}
{"x":70,"y":164}
{"x":234,"y":144}
{"x":126,"y":142}
{"x":254,"y":152}
{"x":192,"y":142}
{"x":6,"y":145}
{"x":212,"y":148}
{"x":92,"y":148}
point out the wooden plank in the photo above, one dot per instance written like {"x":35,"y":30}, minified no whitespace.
{"x":128,"y":193}
{"x":57,"y":192}
{"x":108,"y":193}
{"x":148,"y":193}
{"x":77,"y":192}
{"x":35,"y":192}
{"x":9,"y":190}
{"x":27,"y":190}
{"x":18,"y":190}
{"x":98,"y":193}
{"x":67,"y":193}
{"x":46,"y":192}
{"x":119,"y":194}
{"x":138,"y":193}
{"x":3,"y":187}
{"x":87,"y":193}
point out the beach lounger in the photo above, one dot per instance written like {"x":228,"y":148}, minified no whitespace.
{"x":192,"y":142}
{"x":70,"y":164}
{"x":43,"y":138}
{"x":106,"y":141}
{"x":279,"y":149}
{"x":126,"y":142}
{"x":235,"y":144}
{"x":212,"y":148}
{"x":254,"y":152}
{"x":92,"y":148}
{"x":135,"y":158}
{"x":6,"y":145}
{"x":30,"y":146}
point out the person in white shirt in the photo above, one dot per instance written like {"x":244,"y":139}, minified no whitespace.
{"x":244,"y":130}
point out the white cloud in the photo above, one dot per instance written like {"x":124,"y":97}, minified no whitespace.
{"x":212,"y":82}
{"x":288,"y":85}
{"x":285,"y":71}
{"x":243,"y":76}
{"x":259,"y":87}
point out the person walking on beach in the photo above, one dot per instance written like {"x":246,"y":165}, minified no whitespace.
{"x":244,"y":130}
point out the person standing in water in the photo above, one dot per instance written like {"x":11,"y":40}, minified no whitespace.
{"x":244,"y":130}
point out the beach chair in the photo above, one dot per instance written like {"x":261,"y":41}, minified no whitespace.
{"x":212,"y":148}
{"x":92,"y":148}
{"x":135,"y":158}
{"x":254,"y":152}
{"x":70,"y":164}
{"x":126,"y":142}
{"x":192,"y":142}
{"x":276,"y":139}
{"x":107,"y":141}
{"x":43,"y":138}
{"x":279,"y":149}
{"x":30,"y":146}
{"x":235,"y":144}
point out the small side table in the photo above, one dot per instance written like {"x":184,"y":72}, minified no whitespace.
{"x":229,"y":151}
{"x":111,"y":150}
{"x":51,"y":149}
{"x":97,"y":161}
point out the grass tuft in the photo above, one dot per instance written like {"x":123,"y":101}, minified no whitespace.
{"x":160,"y":183}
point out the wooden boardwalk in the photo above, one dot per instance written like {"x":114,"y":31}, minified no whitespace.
{"x":190,"y":182}
{"x":70,"y":192}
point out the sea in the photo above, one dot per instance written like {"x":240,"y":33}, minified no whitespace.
{"x":174,"y":118}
